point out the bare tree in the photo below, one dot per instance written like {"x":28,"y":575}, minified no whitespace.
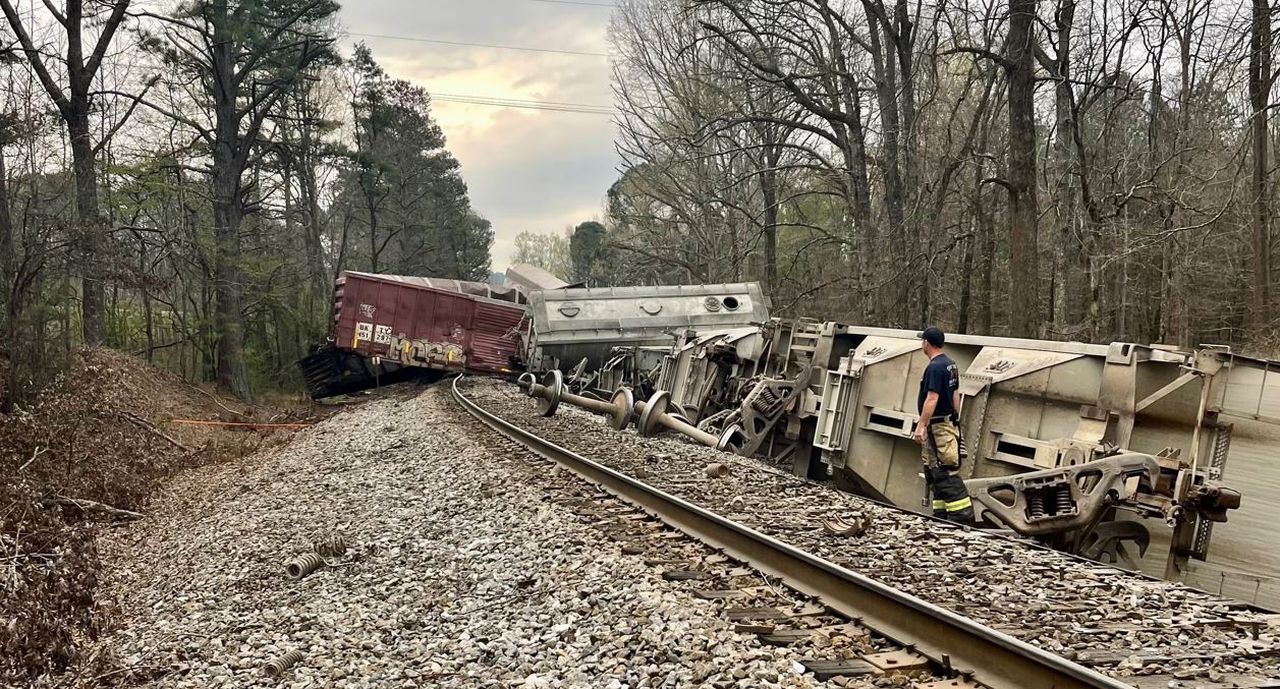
{"x":1260,"y":82}
{"x":246,"y":58}
{"x":73,"y":99}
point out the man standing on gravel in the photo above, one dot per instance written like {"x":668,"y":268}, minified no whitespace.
{"x":938,"y":431}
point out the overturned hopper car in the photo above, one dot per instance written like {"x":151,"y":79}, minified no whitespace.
{"x":571,"y":325}
{"x":389,"y":328}
{"x":1102,"y":450}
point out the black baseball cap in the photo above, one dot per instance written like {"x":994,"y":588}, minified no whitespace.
{"x":933,"y":336}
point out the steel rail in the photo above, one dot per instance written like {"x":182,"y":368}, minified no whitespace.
{"x":989,"y":657}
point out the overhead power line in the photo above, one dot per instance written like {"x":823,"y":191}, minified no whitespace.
{"x":499,"y":102}
{"x":578,"y":2}
{"x":470,"y":44}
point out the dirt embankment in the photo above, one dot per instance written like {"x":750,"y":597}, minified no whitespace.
{"x":87,"y":455}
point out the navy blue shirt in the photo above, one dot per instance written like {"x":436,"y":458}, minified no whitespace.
{"x":940,"y":376}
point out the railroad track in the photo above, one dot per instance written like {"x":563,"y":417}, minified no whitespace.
{"x":955,"y":644}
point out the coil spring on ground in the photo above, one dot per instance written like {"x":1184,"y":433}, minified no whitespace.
{"x":1035,"y":505}
{"x":303,"y":565}
{"x":332,"y":545}
{"x":276,"y":666}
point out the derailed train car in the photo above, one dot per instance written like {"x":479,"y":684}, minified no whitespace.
{"x":608,"y":336}
{"x":1088,"y":448}
{"x":388,"y":328}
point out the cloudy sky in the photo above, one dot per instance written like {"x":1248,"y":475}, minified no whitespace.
{"x":534,"y":170}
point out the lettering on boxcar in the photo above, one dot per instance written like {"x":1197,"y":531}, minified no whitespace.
{"x":364,"y":331}
{"x":367,"y":310}
{"x":382,"y":334}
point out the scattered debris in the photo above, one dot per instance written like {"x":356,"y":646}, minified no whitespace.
{"x":854,"y":526}
{"x":716,"y":470}
{"x":303,"y":565}
{"x":278,"y":665}
{"x":332,"y":545}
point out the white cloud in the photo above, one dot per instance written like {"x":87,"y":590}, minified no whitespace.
{"x":526,"y":169}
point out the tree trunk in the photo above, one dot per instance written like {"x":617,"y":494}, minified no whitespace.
{"x":315,"y":248}
{"x":73,"y":105}
{"x":232,"y":372}
{"x":966,"y":282}
{"x":769,"y":194}
{"x":860,"y":192}
{"x":8,"y":293}
{"x":1070,"y":286}
{"x":6,"y":238}
{"x":1259,"y":99}
{"x":91,"y":287}
{"x":1024,"y":258}
{"x":373,"y":235}
{"x":885,"y":67}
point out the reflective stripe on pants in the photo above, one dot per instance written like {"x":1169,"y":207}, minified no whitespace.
{"x":950,"y":498}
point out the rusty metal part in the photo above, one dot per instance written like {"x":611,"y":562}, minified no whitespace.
{"x":715,"y":470}
{"x":1212,"y":500}
{"x":303,"y":565}
{"x":654,"y":416}
{"x":332,"y":545}
{"x":766,"y":404}
{"x":552,"y":391}
{"x":1057,"y":500}
{"x":854,"y":526}
{"x":278,"y":665}
{"x":990,"y":657}
{"x":1106,"y":543}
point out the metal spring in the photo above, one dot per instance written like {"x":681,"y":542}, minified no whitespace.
{"x":333,"y":545}
{"x":765,"y":400}
{"x":1062,"y":498}
{"x":303,"y":565}
{"x":278,"y":665}
{"x":1035,"y":505}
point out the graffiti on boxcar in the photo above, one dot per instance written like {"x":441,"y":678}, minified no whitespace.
{"x":425,"y":353}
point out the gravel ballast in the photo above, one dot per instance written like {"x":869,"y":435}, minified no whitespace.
{"x":459,"y":572}
{"x":1124,"y":625}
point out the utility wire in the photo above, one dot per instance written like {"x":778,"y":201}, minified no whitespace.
{"x":524,"y":104}
{"x":579,"y":2}
{"x":480,"y":45}
{"x":588,"y":106}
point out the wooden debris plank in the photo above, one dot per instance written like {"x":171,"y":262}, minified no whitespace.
{"x":1230,"y":681}
{"x":897,"y":661}
{"x":957,"y":683}
{"x":784,"y":637}
{"x":684,"y":575}
{"x":824,"y":670}
{"x":719,"y":594}
{"x":739,"y":614}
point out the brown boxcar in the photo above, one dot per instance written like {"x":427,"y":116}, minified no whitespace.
{"x":392,"y":327}
{"x":410,"y":321}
